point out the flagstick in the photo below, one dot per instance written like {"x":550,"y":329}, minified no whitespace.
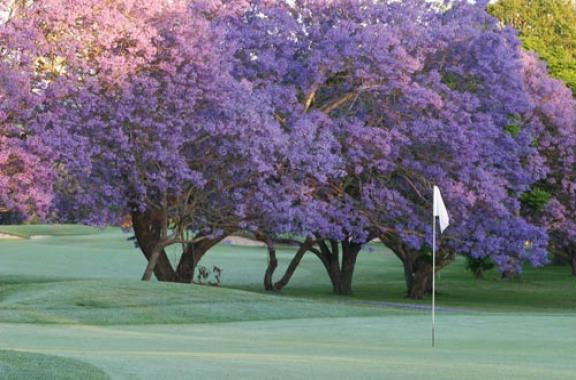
{"x":439,"y":210}
{"x":433,"y":276}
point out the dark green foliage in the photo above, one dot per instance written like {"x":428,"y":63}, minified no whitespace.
{"x":514,"y":126}
{"x":478,"y":265}
{"x":547,"y":27}
{"x":458,"y":83}
{"x":535,"y":199}
{"x":513,"y":129}
{"x":425,"y":253}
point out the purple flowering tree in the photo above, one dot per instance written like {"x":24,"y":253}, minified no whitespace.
{"x":407,"y":95}
{"x":146,"y":120}
{"x":552,"y":201}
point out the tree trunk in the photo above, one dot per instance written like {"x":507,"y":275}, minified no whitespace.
{"x":147,"y":229}
{"x":332,"y":264}
{"x":408,"y":272}
{"x":417,"y":267}
{"x":272,"y":265}
{"x":570,"y":254}
{"x":479,"y":273}
{"x":152,"y":262}
{"x":510,"y":275}
{"x":186,"y":265}
{"x":349,"y":255}
{"x":557,"y":259}
{"x":279,"y":285}
{"x":421,"y":280}
{"x":564,"y":254}
{"x":340,"y":273}
{"x":191,"y":257}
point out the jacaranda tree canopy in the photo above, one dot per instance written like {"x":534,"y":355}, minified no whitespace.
{"x":328,"y":121}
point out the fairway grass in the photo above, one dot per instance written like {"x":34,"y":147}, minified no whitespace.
{"x":72,"y":304}
{"x":29,"y":230}
{"x":98,"y":302}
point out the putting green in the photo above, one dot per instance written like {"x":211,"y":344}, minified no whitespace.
{"x":78,"y":298}
{"x":393,"y":347}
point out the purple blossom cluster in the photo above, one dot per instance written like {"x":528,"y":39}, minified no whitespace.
{"x":26,"y":181}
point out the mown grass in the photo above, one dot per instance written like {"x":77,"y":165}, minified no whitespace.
{"x":78,"y":298}
{"x":378,"y":277}
{"x":114,"y":302}
{"x":29,"y":230}
{"x":390,"y":347}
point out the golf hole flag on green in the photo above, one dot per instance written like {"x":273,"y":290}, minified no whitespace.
{"x":440,"y":212}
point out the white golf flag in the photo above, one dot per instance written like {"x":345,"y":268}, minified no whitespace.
{"x":440,"y":210}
